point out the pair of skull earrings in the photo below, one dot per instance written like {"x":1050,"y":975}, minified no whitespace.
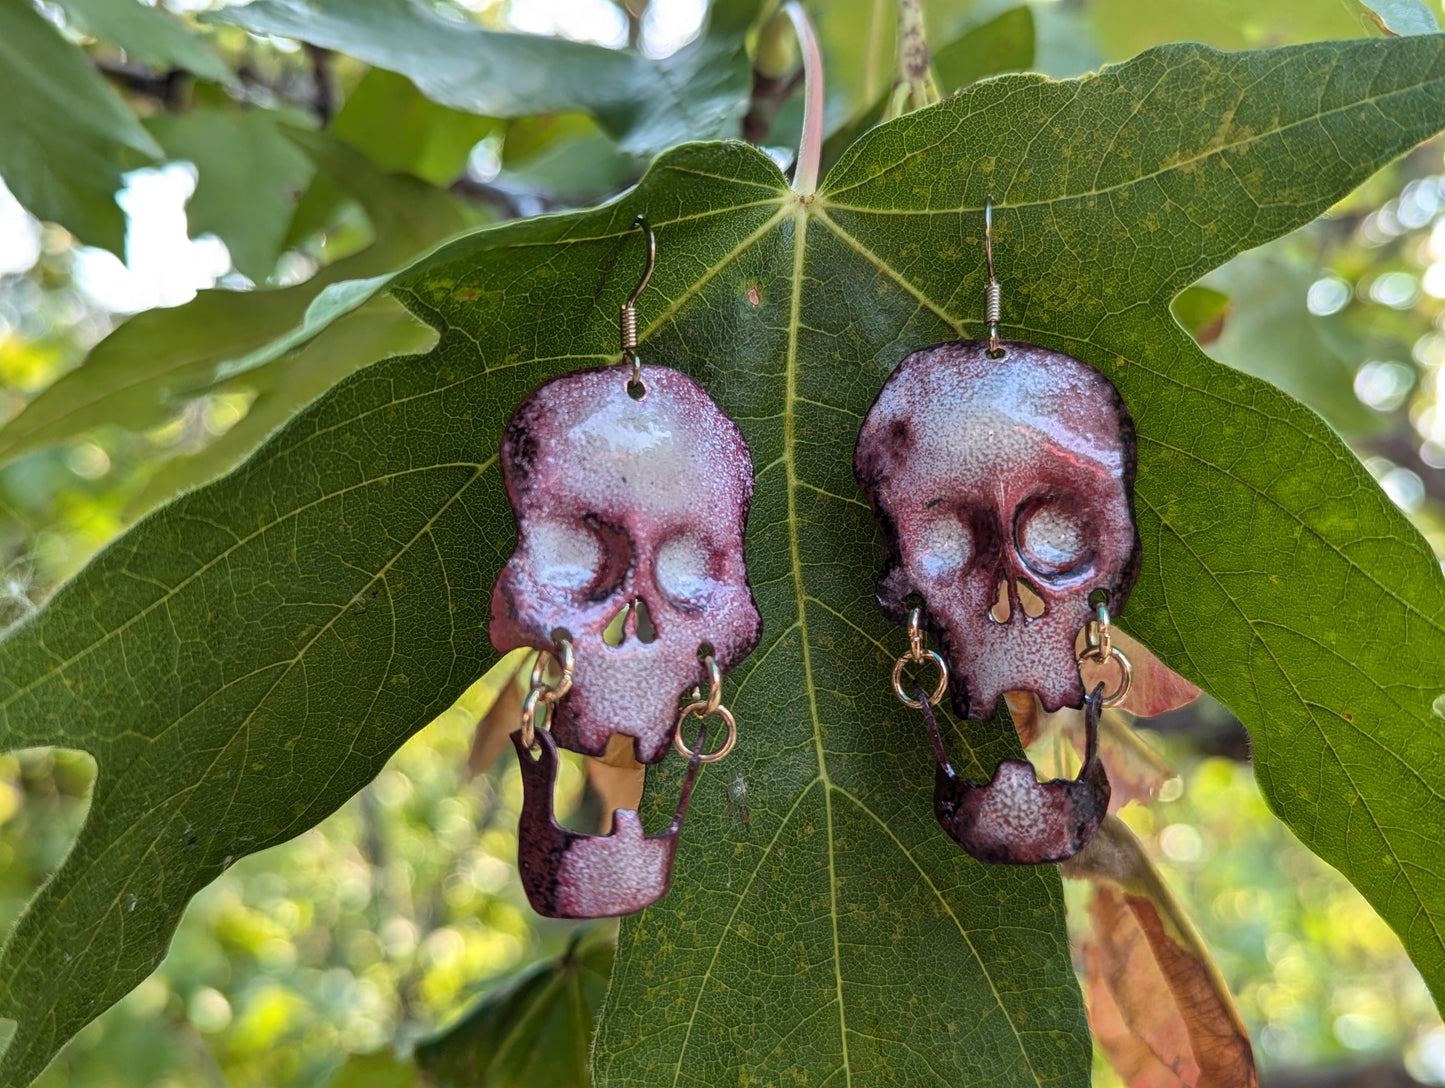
{"x":1001,"y":475}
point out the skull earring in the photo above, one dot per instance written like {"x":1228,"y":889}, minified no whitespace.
{"x":631,"y":494}
{"x":1001,"y":474}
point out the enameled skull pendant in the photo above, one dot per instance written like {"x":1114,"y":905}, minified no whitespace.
{"x":1002,"y":478}
{"x":621,"y":499}
{"x":1004,"y":490}
{"x":631,"y":498}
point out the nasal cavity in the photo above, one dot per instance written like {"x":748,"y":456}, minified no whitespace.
{"x":646,"y":631}
{"x":1029,"y":599}
{"x":1001,"y":609}
{"x":615,"y":633}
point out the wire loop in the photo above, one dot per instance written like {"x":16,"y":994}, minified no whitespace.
{"x":917,"y":655}
{"x":1100,"y":648}
{"x":700,"y":709}
{"x":543,"y":695}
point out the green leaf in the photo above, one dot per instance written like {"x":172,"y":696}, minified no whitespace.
{"x":400,"y":130}
{"x":1310,"y":357}
{"x":1202,"y":311}
{"x":137,"y":376}
{"x":534,"y":1030}
{"x":380,"y":1069}
{"x":249,"y":177}
{"x":1003,"y":44}
{"x":289,"y":379}
{"x":64,"y":134}
{"x":1395,"y":17}
{"x":244,"y":659}
{"x":1123,"y":27}
{"x":698,"y":93}
{"x":565,"y":158}
{"x":146,"y":34}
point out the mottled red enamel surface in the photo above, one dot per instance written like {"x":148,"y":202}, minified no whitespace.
{"x":987,"y":471}
{"x":619,"y":499}
{"x":567,"y":874}
{"x":1015,"y":819}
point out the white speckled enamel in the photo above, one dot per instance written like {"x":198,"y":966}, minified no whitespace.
{"x":619,"y":499}
{"x":619,"y":873}
{"x":986,"y":471}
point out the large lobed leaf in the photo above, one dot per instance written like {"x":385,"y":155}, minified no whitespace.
{"x":243,"y":660}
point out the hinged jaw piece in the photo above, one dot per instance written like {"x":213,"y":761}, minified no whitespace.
{"x":568,"y":874}
{"x":1015,"y":819}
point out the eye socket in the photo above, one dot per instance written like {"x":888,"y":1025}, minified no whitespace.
{"x":563,"y":554}
{"x":682,"y":570}
{"x":1052,"y":540}
{"x":946,"y":545}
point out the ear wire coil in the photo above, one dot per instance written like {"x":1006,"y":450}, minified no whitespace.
{"x":629,"y":331}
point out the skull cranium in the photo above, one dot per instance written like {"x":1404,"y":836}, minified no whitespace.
{"x":621,"y":499}
{"x":1004,"y":488}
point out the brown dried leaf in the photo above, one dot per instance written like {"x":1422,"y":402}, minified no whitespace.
{"x":617,"y":777}
{"x":504,"y":716}
{"x":1157,"y":688}
{"x":1136,"y":771}
{"x":1030,"y":718}
{"x":1157,"y":1004}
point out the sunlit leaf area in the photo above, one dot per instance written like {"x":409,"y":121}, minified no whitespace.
{"x":213,"y":214}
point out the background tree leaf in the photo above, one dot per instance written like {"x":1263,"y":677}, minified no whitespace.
{"x":249,"y":176}
{"x":1004,"y":43}
{"x":64,"y":134}
{"x":698,"y":93}
{"x":1312,"y":357}
{"x":1202,"y":311}
{"x":378,"y":329}
{"x":146,"y":34}
{"x":400,"y":130}
{"x":137,"y":376}
{"x":534,"y":1030}
{"x":244,"y":659}
{"x":1123,"y":27}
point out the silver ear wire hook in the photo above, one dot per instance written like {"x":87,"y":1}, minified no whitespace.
{"x":629,"y":308}
{"x":993,"y":295}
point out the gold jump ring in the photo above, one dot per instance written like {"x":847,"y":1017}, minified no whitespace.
{"x":701,"y":710}
{"x":939,"y":689}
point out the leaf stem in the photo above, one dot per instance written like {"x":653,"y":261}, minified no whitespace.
{"x":810,"y":146}
{"x":913,"y":83}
